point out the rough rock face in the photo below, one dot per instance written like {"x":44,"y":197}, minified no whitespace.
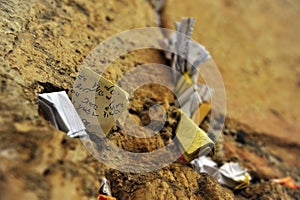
{"x":38,"y":162}
{"x":42,"y":47}
{"x":43,"y":44}
{"x":174,"y":182}
{"x":46,"y":42}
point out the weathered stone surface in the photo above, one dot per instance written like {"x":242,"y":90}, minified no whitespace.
{"x":174,"y":182}
{"x":43,"y":45}
{"x":269,"y":190}
{"x":38,"y":162}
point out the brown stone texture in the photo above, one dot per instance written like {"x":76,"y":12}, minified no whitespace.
{"x":44,"y":44}
{"x":175,"y":182}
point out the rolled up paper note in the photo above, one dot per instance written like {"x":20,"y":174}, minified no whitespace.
{"x":193,"y":141}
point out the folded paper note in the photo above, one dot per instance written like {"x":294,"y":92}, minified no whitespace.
{"x":196,"y":102}
{"x":193,"y":141}
{"x":189,"y":54}
{"x":198,"y":115}
{"x":57,"y":108}
{"x":188,"y":57}
{"x":230,"y":174}
{"x":97,"y":100}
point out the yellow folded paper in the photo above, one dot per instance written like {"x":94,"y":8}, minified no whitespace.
{"x":243,"y":183}
{"x":184,"y":90}
{"x":193,"y":141}
{"x":200,"y":114}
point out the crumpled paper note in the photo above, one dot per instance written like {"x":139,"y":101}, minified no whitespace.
{"x":230,"y":174}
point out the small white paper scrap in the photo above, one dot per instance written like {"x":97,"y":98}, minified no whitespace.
{"x":58,"y":109}
{"x":230,"y":174}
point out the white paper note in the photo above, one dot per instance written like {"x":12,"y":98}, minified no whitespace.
{"x":58,"y":109}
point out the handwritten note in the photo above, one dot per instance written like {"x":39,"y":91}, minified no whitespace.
{"x":97,"y":100}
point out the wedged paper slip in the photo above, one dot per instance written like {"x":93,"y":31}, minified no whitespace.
{"x":186,"y":57}
{"x":98,"y":101}
{"x":58,"y":109}
{"x":189,"y":55}
{"x":193,"y":141}
{"x":196,"y":102}
{"x":230,"y":174}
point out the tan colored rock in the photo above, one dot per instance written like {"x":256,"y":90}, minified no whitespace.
{"x":42,"y":47}
{"x":269,"y":190}
{"x":43,"y":44}
{"x":174,"y":182}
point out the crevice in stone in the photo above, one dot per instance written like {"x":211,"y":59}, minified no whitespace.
{"x":50,"y":87}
